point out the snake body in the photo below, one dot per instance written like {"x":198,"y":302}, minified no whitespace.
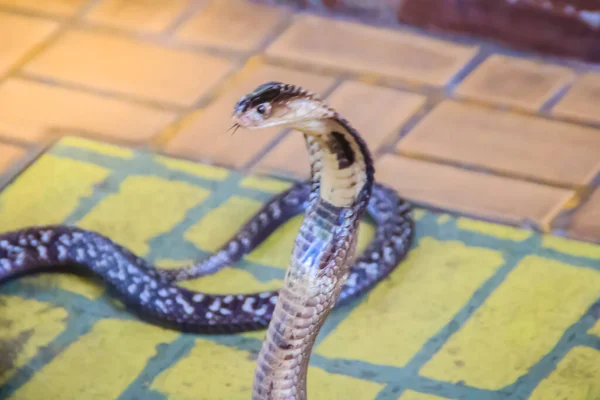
{"x":324,"y":271}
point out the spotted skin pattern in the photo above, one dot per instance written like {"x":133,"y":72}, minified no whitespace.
{"x":154,"y":294}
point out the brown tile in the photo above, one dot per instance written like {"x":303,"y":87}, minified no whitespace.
{"x":20,"y":35}
{"x":516,"y":82}
{"x":586,"y":221}
{"x":582,"y":102}
{"x":206,"y":136}
{"x":361,"y":48}
{"x":57,"y":7}
{"x":377,"y":116}
{"x":134,"y":67}
{"x":470,"y":192}
{"x":513,"y":143}
{"x":29,"y":110}
{"x":235,"y":24}
{"x":8,"y":155}
{"x":142,"y":15}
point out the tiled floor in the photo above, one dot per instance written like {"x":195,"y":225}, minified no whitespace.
{"x":455,"y":123}
{"x":477,"y":311}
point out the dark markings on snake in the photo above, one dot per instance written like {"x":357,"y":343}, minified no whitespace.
{"x":340,"y":146}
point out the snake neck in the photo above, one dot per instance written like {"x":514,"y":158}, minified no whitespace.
{"x":342,"y":172}
{"x":342,"y":176}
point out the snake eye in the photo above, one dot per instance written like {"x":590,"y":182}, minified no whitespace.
{"x":261,"y":109}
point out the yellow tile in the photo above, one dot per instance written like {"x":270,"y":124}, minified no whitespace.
{"x":97,"y":147}
{"x":487,"y":228}
{"x":410,"y":395}
{"x":577,"y":377}
{"x":573,"y":247}
{"x":418,"y":213}
{"x":226,"y":281}
{"x":418,"y":299}
{"x":147,"y":15}
{"x":276,"y":250}
{"x":100,"y":365}
{"x":595,"y":330}
{"x":228,"y":375}
{"x":517,"y":325}
{"x":219,"y":224}
{"x":265,"y":184}
{"x":81,"y":285}
{"x":130,"y":217}
{"x":27,"y":325}
{"x":442,"y":219}
{"x":201,"y":170}
{"x":47,"y":192}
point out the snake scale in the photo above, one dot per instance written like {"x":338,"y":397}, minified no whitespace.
{"x":324,"y":269}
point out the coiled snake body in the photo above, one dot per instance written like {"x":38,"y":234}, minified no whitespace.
{"x":323,"y":270}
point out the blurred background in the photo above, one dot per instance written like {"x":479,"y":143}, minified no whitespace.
{"x":489,"y":109}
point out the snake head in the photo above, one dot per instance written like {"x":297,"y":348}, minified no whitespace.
{"x":279,"y":104}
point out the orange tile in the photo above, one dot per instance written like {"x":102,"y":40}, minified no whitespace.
{"x":206,"y":136}
{"x":516,"y":82}
{"x":57,"y":7}
{"x":134,"y":67}
{"x":508,"y":142}
{"x":360,"y":48}
{"x":470,"y":192}
{"x":376,"y":112}
{"x":20,"y":35}
{"x":143,"y":15}
{"x":30,"y":110}
{"x":235,"y":24}
{"x":582,"y":101}
{"x":289,"y":158}
{"x":8,"y":155}
{"x":586,"y":221}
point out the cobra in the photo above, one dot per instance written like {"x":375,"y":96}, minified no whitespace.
{"x":323,"y":272}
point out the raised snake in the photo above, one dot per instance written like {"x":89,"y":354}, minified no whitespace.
{"x":323,"y":271}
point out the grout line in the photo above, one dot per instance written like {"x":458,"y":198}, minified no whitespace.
{"x":192,"y":9}
{"x":489,"y":170}
{"x":105,"y":93}
{"x":24,"y":162}
{"x":471,"y":65}
{"x":7,"y":139}
{"x":546,"y":108}
{"x":49,"y":40}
